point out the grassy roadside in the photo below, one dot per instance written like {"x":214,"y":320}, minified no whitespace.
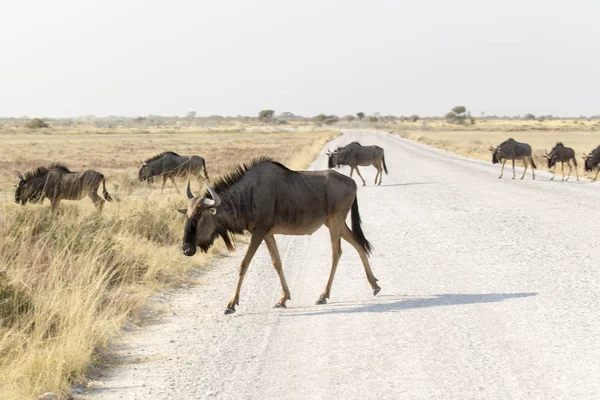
{"x":69,"y":282}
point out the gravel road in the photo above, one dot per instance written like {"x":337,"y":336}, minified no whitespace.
{"x":490,"y":290}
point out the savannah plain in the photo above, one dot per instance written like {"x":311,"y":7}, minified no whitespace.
{"x":70,"y":282}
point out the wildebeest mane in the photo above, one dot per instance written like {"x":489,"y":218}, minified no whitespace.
{"x":42,"y":171}
{"x":156,"y":157}
{"x":506,"y":141}
{"x":226,"y":181}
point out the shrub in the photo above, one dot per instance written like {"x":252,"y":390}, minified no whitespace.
{"x":36,"y":123}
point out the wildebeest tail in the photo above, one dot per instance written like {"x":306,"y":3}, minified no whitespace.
{"x":205,"y":171}
{"x":383,"y":159}
{"x":105,"y":193}
{"x":357,"y":229}
{"x":533,"y":163}
{"x":575,"y":161}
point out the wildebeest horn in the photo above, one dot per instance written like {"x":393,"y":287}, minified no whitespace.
{"x":190,"y":195}
{"x":214,"y":202}
{"x":19,"y":176}
{"x":492,"y":148}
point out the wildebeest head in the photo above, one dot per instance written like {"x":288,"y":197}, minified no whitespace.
{"x":588,"y":163}
{"x":551,"y":157}
{"x":495,"y":155}
{"x":201,"y":225}
{"x":144,"y":174}
{"x":26,"y":191}
{"x":333,"y":159}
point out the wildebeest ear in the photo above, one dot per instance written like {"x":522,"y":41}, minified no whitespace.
{"x":183,"y":211}
{"x":212,"y":210}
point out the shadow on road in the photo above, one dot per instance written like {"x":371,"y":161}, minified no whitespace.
{"x":409,"y":303}
{"x":403,"y":184}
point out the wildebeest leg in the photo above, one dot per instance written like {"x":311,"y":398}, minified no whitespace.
{"x":274,"y":252}
{"x":525,"y":170}
{"x":336,"y":253}
{"x":513,"y":165}
{"x":532,"y":167}
{"x":174,"y":184}
{"x":348,"y":236}
{"x":576,"y":173}
{"x":502,"y":170}
{"x":554,"y":173}
{"x":162,"y":188}
{"x":562,"y":168}
{"x":358,"y":172}
{"x":97,"y":200}
{"x":378,"y":168}
{"x":254,"y":243}
{"x":351,"y":171}
{"x":598,"y":170}
{"x":54,"y":203}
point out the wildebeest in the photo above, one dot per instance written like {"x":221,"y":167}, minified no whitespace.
{"x":591,"y":161}
{"x":171,"y":165}
{"x":354,"y":155}
{"x":513,"y":150}
{"x":57,"y":183}
{"x":266,"y":198}
{"x":562,"y":154}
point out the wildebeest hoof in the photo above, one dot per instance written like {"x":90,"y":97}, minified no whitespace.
{"x":375,"y":291}
{"x":279,"y":305}
{"x":321,"y":301}
{"x":229,"y":311}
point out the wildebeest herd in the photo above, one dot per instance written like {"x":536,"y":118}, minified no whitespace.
{"x":266,"y":198}
{"x":513,"y":150}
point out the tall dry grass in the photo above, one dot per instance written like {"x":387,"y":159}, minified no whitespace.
{"x":68,"y":282}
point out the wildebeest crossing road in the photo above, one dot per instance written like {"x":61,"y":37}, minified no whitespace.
{"x":490,"y":289}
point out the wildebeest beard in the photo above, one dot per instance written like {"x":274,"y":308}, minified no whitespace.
{"x":495,"y":157}
{"x":189,"y":236}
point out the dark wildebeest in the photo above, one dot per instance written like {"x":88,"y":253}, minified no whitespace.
{"x":354,"y":155}
{"x":562,"y":154}
{"x":513,"y":150}
{"x":591,"y":161}
{"x":171,"y":165}
{"x":57,"y":183}
{"x":266,"y":198}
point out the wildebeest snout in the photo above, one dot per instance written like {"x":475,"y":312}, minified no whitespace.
{"x":189,"y":249}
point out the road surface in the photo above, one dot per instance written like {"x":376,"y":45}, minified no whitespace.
{"x":490,"y":290}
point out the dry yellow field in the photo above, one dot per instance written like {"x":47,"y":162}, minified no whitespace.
{"x":69,"y":281}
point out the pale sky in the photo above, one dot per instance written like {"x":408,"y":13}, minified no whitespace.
{"x":64,"y":58}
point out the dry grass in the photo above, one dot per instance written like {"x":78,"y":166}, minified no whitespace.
{"x":69,"y":282}
{"x":475,"y":144}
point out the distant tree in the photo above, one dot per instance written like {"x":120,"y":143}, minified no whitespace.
{"x":266,"y":115}
{"x":327,"y":119}
{"x":458,"y":115}
{"x":286,"y":115}
{"x":36,"y":123}
{"x":373,"y":118}
{"x":349,"y":118}
{"x":414,"y":118}
{"x":190,"y":115}
{"x":331,"y":119}
{"x":529,"y":116}
{"x":360,"y":115}
{"x":139,"y":119}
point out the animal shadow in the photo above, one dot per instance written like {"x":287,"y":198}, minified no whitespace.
{"x":411,"y":303}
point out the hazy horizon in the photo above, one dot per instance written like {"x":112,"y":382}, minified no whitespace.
{"x":69,"y":59}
